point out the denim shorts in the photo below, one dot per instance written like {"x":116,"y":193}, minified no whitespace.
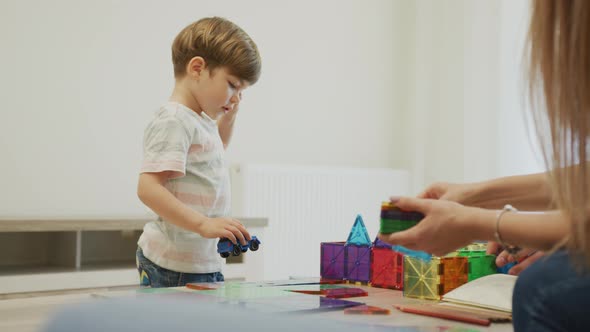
{"x":152,"y":275}
{"x":552,"y":295}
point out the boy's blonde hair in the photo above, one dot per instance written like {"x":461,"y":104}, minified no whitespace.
{"x":222,"y":44}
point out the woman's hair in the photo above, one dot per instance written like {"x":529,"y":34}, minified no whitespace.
{"x":222,"y":44}
{"x":559,"y":87}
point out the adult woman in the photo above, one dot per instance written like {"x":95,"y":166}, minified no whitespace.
{"x":554,"y":293}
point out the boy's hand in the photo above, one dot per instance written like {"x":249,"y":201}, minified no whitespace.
{"x":232,"y":112}
{"x":229,"y":228}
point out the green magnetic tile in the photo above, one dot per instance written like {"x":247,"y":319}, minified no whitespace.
{"x":477,"y":246}
{"x":391,"y":226}
{"x":480,"y":266}
{"x":245,"y":293}
{"x":470,"y":253}
{"x":290,"y":281}
{"x":404,"y":223}
{"x":310,"y":287}
{"x":162,"y":290}
{"x":421,"y":278}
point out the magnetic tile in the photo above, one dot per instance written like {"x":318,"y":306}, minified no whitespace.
{"x":454,"y":273}
{"x":332,"y":263}
{"x":380,"y":244}
{"x":344,"y":292}
{"x":205,"y":285}
{"x":299,"y":303}
{"x":358,"y":234}
{"x":387,"y":268}
{"x":311,"y":289}
{"x":241,"y":292}
{"x":387,"y":226}
{"x":413,"y":253}
{"x":396,"y":214}
{"x":366,"y":310}
{"x":421,"y":278}
{"x":480,"y":266}
{"x":357,"y":263}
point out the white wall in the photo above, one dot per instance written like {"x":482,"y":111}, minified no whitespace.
{"x":428,"y":86}
{"x":80,"y":80}
{"x":518,"y":149}
{"x":466,"y":117}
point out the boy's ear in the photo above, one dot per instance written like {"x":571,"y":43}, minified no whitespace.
{"x":195,"y":67}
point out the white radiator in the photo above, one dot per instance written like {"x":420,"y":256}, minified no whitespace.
{"x":309,"y":205}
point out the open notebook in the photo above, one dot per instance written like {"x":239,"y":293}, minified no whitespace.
{"x":482,"y":301}
{"x":490,"y":292}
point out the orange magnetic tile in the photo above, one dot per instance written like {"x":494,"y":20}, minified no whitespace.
{"x":199,"y":287}
{"x":331,"y":281}
{"x":387,"y":204}
{"x":338,"y":293}
{"x":366,"y":310}
{"x":454,"y":272}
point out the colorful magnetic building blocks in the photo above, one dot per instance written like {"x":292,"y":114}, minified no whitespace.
{"x":480,"y":263}
{"x":357,"y":263}
{"x":453,"y":272}
{"x":430,"y":279}
{"x":394,"y":219}
{"x":380,"y":244}
{"x":419,"y":274}
{"x":387,"y":268}
{"x":332,"y":263}
{"x":349,"y":261}
{"x":480,"y":266}
{"x":358,"y":234}
{"x":422,"y":278}
{"x":366,"y":310}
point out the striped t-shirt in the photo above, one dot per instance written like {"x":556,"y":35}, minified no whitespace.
{"x":188,"y":144}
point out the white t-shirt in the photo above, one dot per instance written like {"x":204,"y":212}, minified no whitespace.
{"x":188,"y":144}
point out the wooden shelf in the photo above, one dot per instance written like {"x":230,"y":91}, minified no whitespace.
{"x":55,"y":254}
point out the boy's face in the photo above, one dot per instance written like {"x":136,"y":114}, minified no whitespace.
{"x":217,"y":92}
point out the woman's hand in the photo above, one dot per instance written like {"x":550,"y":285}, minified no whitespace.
{"x":460,"y":193}
{"x":446,"y":226}
{"x":524,"y":258}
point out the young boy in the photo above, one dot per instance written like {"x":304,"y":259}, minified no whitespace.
{"x":184,"y":177}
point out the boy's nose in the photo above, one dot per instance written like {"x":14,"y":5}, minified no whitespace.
{"x":236,"y":98}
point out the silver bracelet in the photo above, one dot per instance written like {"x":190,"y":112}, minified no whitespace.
{"x":512,"y":250}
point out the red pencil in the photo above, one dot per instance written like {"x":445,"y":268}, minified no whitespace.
{"x":429,"y":310}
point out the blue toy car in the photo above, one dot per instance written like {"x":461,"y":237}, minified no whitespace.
{"x":225,"y":247}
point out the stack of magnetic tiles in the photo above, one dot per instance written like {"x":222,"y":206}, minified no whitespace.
{"x":359,"y":260}
{"x":434,"y":277}
{"x":378,"y":264}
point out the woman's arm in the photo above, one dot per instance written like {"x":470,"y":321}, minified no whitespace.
{"x":448,"y":225}
{"x":540,"y":231}
{"x":525,"y":192}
